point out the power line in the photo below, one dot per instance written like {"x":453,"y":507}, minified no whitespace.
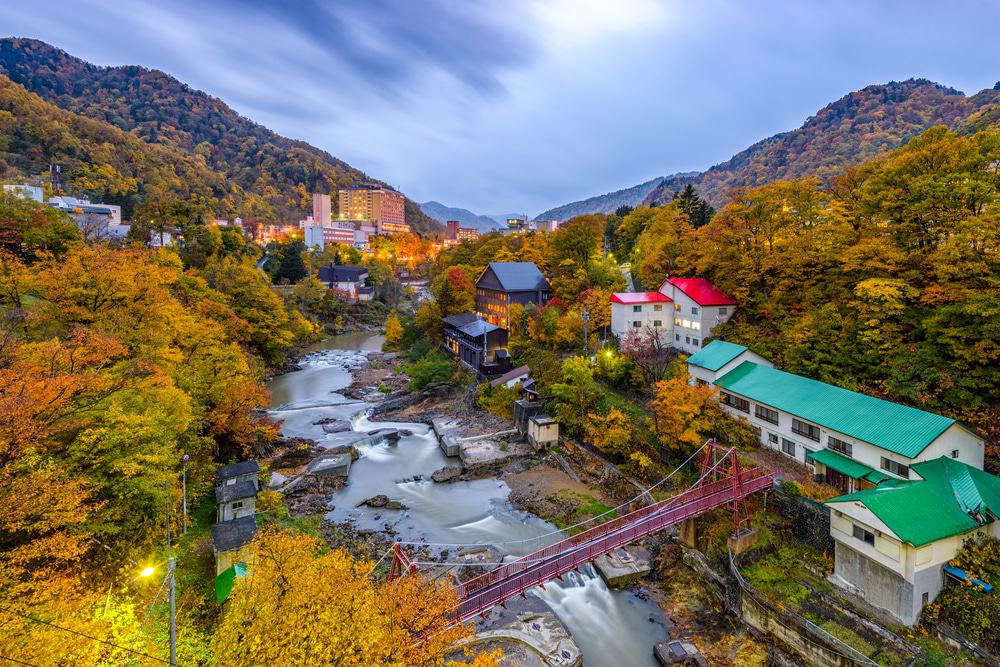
{"x":80,"y":634}
{"x":20,"y":662}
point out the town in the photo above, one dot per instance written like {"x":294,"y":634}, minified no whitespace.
{"x":260,"y":407}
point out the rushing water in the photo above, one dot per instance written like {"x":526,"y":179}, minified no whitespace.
{"x":613,"y":628}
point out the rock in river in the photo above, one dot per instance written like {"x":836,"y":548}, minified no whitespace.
{"x":447,"y":473}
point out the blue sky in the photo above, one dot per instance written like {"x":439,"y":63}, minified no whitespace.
{"x":519,"y":105}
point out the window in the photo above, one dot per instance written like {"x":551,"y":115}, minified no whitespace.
{"x":658,"y":307}
{"x":678,"y":322}
{"x":238,"y":505}
{"x":636,"y":324}
{"x":806,"y":430}
{"x":838,"y":445}
{"x":657,"y":323}
{"x":695,"y":342}
{"x":772,"y":438}
{"x":767,"y":414}
{"x":925,"y":598}
{"x":636,"y":309}
{"x":677,"y":337}
{"x":694,"y":310}
{"x":788,"y":446}
{"x":741,"y":404}
{"x":895,"y":468}
{"x":954,"y":453}
{"x":723,"y":311}
{"x":864,"y":535}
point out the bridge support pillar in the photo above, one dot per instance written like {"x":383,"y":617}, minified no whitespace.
{"x":687,"y":533}
{"x":742,"y":541}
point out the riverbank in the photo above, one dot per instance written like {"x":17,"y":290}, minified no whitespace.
{"x":516,"y":506}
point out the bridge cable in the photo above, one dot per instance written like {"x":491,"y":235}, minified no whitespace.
{"x":576,"y":525}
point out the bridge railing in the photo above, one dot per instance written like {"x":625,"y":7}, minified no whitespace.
{"x":526,"y":562}
{"x":573,"y":555}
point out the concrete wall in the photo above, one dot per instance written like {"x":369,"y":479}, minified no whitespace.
{"x":792,"y":637}
{"x":877,"y":584}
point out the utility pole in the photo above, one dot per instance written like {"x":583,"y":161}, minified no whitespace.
{"x":586,"y":342}
{"x":173,"y":613}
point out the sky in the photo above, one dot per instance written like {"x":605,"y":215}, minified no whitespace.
{"x":520,"y":105}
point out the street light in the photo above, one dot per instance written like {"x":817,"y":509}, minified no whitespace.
{"x":147,"y":572}
{"x":171,"y":585}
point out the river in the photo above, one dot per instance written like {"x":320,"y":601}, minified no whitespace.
{"x":613,"y":628}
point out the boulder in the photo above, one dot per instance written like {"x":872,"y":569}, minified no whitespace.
{"x":447,"y":474}
{"x":335,"y":426}
{"x":382,"y":501}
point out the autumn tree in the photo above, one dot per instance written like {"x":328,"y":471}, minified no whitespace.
{"x":682,"y":414}
{"x":305,"y":605}
{"x":393,"y":332}
{"x":650,"y":352}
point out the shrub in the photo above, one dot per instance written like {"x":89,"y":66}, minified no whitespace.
{"x":497,"y":401}
{"x":429,"y":369}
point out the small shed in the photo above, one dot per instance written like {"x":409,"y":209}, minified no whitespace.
{"x":236,"y":500}
{"x":543,"y":431}
{"x":229,"y":541}
{"x":243,"y":471}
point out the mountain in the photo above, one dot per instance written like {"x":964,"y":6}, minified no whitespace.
{"x":97,"y":157}
{"x":161,"y":110}
{"x":608,"y":203}
{"x":858,"y":126}
{"x":443,"y":214}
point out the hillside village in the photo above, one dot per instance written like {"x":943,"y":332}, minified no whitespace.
{"x":318,"y":427}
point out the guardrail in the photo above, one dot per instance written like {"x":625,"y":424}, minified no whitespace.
{"x":832,"y":643}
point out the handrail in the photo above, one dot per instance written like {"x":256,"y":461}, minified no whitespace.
{"x":514,"y":578}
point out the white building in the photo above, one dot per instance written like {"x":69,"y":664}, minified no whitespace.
{"x":25,"y":191}
{"x":893,"y":542}
{"x":914,"y":479}
{"x":684,"y":310}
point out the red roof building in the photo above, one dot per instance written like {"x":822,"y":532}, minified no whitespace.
{"x":628,"y":298}
{"x":701,"y":291}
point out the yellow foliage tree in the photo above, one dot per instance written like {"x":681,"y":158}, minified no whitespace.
{"x":303,"y":606}
{"x":393,"y":331}
{"x":681,"y":413}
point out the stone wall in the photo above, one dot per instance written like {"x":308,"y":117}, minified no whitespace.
{"x":810,"y":521}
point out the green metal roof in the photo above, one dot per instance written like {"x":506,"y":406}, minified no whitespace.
{"x":841,"y":463}
{"x":716,"y":354}
{"x":226,"y":581}
{"x":896,"y":428}
{"x":921,"y":511}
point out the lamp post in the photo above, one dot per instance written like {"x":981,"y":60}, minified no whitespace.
{"x":173,"y":612}
{"x":184,"y":493}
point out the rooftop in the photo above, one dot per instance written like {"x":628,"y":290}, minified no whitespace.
{"x":231,"y":492}
{"x":951,"y":499}
{"x":339,"y":273}
{"x":896,"y":428}
{"x":702,"y":291}
{"x":640,"y":297}
{"x":716,"y":354}
{"x":478,"y":328}
{"x":460,"y":320}
{"x":233,"y":534}
{"x":510,"y":375}
{"x":519,"y":276}
{"x":236,"y":469}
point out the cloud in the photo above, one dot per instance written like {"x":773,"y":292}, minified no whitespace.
{"x":526,"y":104}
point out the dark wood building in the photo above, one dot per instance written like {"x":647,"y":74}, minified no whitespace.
{"x":477,"y":343}
{"x":504,"y":283}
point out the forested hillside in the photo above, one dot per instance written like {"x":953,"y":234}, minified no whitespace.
{"x":857,"y":127}
{"x":887,"y":280}
{"x":161,"y":110}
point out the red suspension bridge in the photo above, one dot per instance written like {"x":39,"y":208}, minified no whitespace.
{"x":722,"y":483}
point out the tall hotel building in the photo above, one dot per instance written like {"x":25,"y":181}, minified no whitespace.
{"x":381,"y":205}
